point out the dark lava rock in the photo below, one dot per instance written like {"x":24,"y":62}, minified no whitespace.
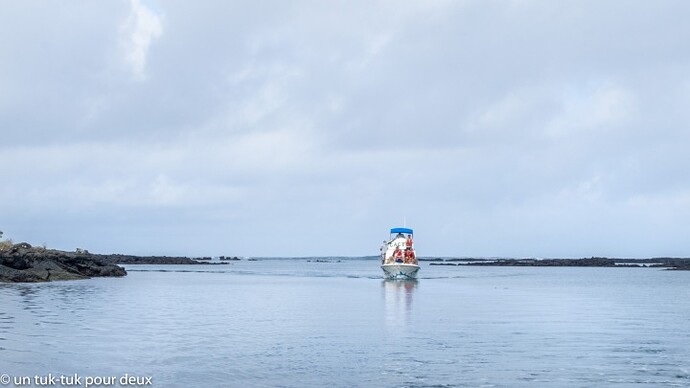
{"x":24,"y":263}
{"x":128,"y":259}
{"x":591,"y":262}
{"x":680,"y":268}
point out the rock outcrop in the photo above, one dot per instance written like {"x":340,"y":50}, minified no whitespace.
{"x":158,"y":260}
{"x":657,"y":262}
{"x":24,"y":263}
{"x":591,"y":262}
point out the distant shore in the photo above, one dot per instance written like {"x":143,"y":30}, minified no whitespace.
{"x":657,"y":262}
{"x":22,"y":263}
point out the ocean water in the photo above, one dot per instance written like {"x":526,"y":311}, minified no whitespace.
{"x":301,"y":323}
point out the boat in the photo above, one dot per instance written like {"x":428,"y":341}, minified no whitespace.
{"x":398,"y":255}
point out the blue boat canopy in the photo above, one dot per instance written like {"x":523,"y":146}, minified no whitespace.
{"x":401,"y":230}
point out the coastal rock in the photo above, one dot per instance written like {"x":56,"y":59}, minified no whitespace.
{"x":158,"y":260}
{"x":590,"y":262}
{"x":685,"y":267}
{"x":24,"y":263}
{"x":657,"y":262}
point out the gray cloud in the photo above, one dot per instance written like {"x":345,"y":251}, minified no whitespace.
{"x":522,"y":128}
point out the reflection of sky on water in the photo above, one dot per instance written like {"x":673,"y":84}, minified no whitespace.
{"x":315,"y":322}
{"x":398,"y":296}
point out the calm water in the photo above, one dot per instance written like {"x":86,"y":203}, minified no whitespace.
{"x":294,"y":323}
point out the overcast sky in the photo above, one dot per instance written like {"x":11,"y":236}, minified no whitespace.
{"x":302,"y":128}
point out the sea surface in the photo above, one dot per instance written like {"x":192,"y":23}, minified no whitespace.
{"x":336,"y":322}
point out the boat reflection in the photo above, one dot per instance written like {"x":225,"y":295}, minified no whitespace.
{"x":398,"y":298}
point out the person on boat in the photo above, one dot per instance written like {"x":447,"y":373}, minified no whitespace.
{"x":409,"y":256}
{"x":413,"y":257}
{"x":398,"y":255}
{"x":408,"y":242}
{"x":383,"y":248}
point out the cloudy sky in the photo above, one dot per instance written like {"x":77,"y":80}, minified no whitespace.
{"x":299,"y":128}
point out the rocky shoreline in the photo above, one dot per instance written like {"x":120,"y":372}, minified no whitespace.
{"x":24,"y":263}
{"x":129,"y":259}
{"x":658,"y":262}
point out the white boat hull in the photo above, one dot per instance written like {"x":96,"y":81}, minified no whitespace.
{"x":400,"y":271}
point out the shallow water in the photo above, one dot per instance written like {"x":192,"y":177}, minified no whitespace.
{"x":296,"y":323}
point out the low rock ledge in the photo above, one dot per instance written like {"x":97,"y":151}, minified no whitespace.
{"x":24,"y":263}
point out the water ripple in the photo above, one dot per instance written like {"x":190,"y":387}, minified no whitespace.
{"x":298,"y":323}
